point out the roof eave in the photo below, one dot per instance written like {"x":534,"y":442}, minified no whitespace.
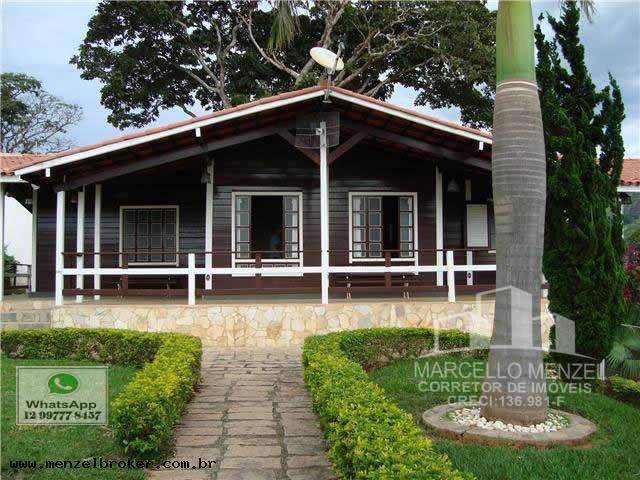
{"x":378,"y":106}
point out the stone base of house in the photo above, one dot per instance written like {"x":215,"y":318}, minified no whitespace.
{"x":261,"y":324}
{"x":20,"y":311}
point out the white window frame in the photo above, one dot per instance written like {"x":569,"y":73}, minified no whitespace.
{"x":414,"y":195}
{"x":149,"y":207}
{"x":294,"y":261}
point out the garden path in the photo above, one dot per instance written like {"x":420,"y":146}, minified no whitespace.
{"x":253,"y":416}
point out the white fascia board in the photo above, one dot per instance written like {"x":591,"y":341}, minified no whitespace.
{"x":629,"y":188}
{"x":410,"y":117}
{"x":11,"y":179}
{"x":56,"y":162}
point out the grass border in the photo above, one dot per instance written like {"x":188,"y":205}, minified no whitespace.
{"x":150,"y":405}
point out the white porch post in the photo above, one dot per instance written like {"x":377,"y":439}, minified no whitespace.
{"x":439,"y":228}
{"x":467,"y":197}
{"x":97,"y":212}
{"x":80,"y":242}
{"x":60,"y":198}
{"x":324,"y":213}
{"x":34,"y":236}
{"x":451,"y":277}
{"x":191,"y":277}
{"x":2,"y":192}
{"x":208,"y":227}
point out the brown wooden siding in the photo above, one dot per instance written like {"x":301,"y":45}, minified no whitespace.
{"x":268,"y":164}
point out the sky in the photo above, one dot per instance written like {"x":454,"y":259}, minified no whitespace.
{"x":39,"y":38}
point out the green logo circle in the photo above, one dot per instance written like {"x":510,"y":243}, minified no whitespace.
{"x":63,"y":383}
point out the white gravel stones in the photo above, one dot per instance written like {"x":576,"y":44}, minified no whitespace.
{"x":471,"y":417}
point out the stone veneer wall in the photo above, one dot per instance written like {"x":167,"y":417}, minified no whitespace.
{"x":282,"y":324}
{"x":29,"y":313}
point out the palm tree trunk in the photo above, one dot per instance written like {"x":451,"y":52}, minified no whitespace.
{"x":515,"y":388}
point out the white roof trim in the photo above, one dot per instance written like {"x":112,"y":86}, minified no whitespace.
{"x":410,"y":117}
{"x":56,"y":162}
{"x":11,"y":179}
{"x":629,"y":188}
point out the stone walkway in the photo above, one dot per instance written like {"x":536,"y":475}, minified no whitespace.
{"x":253,"y":416}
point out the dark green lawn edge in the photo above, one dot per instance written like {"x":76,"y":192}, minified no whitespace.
{"x":369,"y":436}
{"x":146,"y":412}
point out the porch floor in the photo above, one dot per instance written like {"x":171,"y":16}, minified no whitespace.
{"x":26,"y":302}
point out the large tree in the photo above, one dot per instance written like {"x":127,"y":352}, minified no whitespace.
{"x":31,"y":119}
{"x":157,"y":55}
{"x":584,"y":249}
{"x":515,"y":387}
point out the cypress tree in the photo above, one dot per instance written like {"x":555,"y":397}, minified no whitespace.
{"x":583,"y":252}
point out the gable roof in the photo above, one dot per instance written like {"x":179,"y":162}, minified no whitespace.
{"x":263,"y":104}
{"x":9,"y":162}
{"x":630,"y":172}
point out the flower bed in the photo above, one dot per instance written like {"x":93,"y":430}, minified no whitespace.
{"x":149,"y":407}
{"x":369,"y":436}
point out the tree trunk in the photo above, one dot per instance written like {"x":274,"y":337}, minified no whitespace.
{"x":515,"y":388}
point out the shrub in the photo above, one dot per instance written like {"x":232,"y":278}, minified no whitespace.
{"x":622,"y":389}
{"x":370,"y":437}
{"x":374,"y":348}
{"x":147,"y":409}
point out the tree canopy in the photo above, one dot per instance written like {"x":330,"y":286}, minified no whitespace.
{"x":31,"y":119}
{"x":151,"y":56}
{"x":583,"y":238}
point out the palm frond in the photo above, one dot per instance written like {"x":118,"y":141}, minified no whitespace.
{"x":624,"y":356}
{"x":618,"y":354}
{"x":631,"y":369}
{"x":588,"y":7}
{"x":285,"y":24}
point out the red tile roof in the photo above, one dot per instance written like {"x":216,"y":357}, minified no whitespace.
{"x":13,"y":161}
{"x":630,"y":172}
{"x":282,"y":96}
{"x":415,"y":113}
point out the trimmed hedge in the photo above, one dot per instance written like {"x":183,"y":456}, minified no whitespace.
{"x":120,"y":347}
{"x":147,"y":409}
{"x":370,"y":437}
{"x":375,"y":348}
{"x":621,"y":388}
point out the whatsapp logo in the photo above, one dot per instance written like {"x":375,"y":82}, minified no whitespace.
{"x":63,"y":383}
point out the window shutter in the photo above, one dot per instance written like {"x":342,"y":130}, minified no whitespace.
{"x":477,"y":226}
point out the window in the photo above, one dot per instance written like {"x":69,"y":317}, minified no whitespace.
{"x":477,"y":225}
{"x":382,"y":222}
{"x":269,"y":223}
{"x":149,"y":234}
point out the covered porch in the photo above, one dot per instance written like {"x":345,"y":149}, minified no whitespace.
{"x":229,"y":204}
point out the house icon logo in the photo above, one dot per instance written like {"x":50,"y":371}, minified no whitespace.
{"x":522,"y":332}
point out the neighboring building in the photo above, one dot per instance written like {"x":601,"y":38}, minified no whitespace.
{"x":18,"y":222}
{"x":401,"y":205}
{"x":630,"y":192}
{"x":18,"y":231}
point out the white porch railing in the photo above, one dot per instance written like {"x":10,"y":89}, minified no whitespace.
{"x":191,"y":271}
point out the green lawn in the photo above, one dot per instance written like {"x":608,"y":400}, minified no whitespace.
{"x":58,"y":442}
{"x":614,"y":453}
